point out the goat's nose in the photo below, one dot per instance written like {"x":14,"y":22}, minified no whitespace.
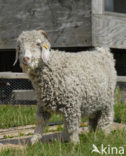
{"x":26,"y":60}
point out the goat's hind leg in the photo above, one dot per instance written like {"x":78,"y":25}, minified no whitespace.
{"x":93,"y":121}
{"x":102,"y":120}
{"x":42,"y":120}
{"x":106,"y":120}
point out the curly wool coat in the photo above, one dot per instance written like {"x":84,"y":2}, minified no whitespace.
{"x":76,"y":84}
{"x":84,"y":79}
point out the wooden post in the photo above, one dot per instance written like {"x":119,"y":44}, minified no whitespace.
{"x":97,"y":6}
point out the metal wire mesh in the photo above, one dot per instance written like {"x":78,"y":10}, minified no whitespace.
{"x":16,"y":91}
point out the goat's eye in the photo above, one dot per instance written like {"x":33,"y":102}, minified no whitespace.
{"x":38,"y":44}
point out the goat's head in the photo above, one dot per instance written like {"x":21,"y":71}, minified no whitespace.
{"x":32,"y":47}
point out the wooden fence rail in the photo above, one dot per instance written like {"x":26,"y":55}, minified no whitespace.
{"x":11,"y":75}
{"x":22,"y":96}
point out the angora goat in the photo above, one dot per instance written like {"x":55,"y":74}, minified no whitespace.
{"x":73,"y":84}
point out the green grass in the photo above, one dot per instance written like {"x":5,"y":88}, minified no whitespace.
{"x":23,"y":115}
{"x":119,"y":108}
{"x":12,"y":116}
{"x":120,"y":112}
{"x":56,"y":117}
{"x":114,"y":139}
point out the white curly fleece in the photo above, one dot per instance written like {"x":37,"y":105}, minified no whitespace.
{"x":73,"y":84}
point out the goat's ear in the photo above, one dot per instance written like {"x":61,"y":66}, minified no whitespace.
{"x":16,"y":58}
{"x":45,"y":53}
{"x":44,"y":33}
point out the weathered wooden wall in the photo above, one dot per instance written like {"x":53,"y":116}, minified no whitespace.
{"x":67,"y":22}
{"x":109,"y":30}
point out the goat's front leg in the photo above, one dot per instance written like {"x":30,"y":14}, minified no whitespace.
{"x":72,"y":120}
{"x":42,"y":120}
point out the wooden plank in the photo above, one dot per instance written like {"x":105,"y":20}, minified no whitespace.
{"x":23,"y":95}
{"x":109,"y":30}
{"x":68,"y":23}
{"x":121,"y":79}
{"x":97,"y":6}
{"x":11,"y":75}
{"x":115,"y":14}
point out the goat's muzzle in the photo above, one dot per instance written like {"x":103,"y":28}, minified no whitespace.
{"x":26,"y":60}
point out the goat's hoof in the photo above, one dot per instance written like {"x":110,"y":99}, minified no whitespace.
{"x":74,"y":140}
{"x":35,"y":139}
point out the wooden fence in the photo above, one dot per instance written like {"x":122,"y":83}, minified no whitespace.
{"x":27,"y":96}
{"x":11,"y":75}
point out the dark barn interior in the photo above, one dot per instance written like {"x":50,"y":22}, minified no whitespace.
{"x":7,"y":58}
